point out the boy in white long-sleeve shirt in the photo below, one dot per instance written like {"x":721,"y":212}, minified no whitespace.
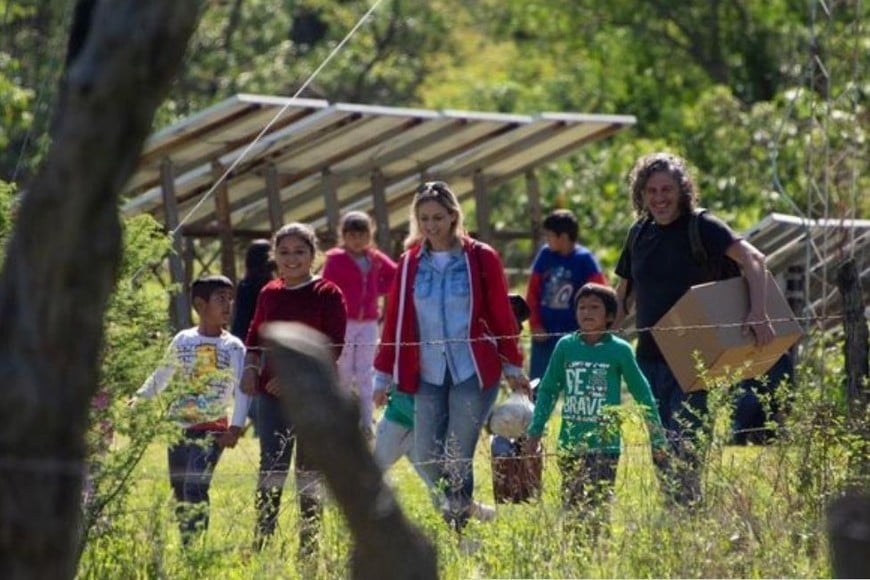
{"x":211,"y":361}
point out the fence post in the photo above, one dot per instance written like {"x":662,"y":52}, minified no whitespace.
{"x":849,"y":515}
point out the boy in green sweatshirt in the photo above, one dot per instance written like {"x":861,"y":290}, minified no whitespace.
{"x":588,"y":367}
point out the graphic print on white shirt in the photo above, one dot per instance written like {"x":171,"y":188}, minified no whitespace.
{"x":209,"y":371}
{"x":211,"y":383}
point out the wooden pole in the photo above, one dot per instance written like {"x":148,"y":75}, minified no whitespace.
{"x":225,"y":224}
{"x":273,"y":197}
{"x":382,"y":212}
{"x":857,"y":341}
{"x":849,"y":516}
{"x":180,"y":302}
{"x":333,"y":210}
{"x":483,"y":208}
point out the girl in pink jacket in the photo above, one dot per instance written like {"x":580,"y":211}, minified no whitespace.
{"x":363,"y":273}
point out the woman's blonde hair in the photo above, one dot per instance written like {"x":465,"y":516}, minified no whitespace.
{"x":440,"y":192}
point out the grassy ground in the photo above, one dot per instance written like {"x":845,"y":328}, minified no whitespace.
{"x":753,"y":526}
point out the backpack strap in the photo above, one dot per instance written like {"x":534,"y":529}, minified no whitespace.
{"x":633,"y":237}
{"x":696,"y":244}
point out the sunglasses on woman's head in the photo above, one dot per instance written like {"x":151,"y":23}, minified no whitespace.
{"x":436,"y":187}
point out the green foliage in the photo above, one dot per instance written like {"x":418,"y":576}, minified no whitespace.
{"x":7,"y":201}
{"x":136,"y":336}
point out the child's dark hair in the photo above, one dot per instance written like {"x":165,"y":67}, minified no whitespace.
{"x":204,"y":286}
{"x":356,"y":221}
{"x":562,"y":221}
{"x":258,"y":259}
{"x":520,"y":308}
{"x":605,"y":293}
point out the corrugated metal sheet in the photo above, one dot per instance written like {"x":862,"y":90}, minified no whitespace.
{"x":349,"y":142}
{"x":814,"y":249}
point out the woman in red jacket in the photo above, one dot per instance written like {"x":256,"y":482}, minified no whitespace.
{"x":449,"y":334}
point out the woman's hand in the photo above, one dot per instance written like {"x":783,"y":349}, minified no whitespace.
{"x":229,"y":438}
{"x":379,"y":397}
{"x":250,"y":377}
{"x":519,"y":383}
{"x":273,"y":388}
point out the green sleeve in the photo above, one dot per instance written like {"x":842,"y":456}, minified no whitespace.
{"x":551,"y":386}
{"x":639,"y":388}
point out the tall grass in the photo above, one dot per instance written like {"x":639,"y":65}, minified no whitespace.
{"x":762,"y":517}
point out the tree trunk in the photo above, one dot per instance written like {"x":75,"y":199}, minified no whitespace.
{"x":856,"y":335}
{"x":849,"y":535}
{"x":849,"y":515}
{"x":61,"y":266}
{"x":326,"y":419}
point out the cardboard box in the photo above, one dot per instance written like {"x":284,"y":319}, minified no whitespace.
{"x":718,"y":309}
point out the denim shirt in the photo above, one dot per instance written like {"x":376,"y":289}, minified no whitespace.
{"x":442,"y":300}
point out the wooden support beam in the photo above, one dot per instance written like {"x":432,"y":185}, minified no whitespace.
{"x":225,"y":224}
{"x":533,"y":191}
{"x":330,"y":200}
{"x":273,"y":197}
{"x":214,"y":232}
{"x":188,"y":257}
{"x":180,"y":302}
{"x":382,"y":214}
{"x":483,"y":208}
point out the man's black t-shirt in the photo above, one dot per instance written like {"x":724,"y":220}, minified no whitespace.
{"x":661,"y":268}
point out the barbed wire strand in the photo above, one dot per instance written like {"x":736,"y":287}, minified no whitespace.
{"x":276,"y":117}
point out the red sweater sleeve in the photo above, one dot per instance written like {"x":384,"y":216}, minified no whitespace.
{"x":252,"y":340}
{"x":533,"y":298}
{"x":386,"y":352}
{"x":335,"y":324}
{"x":386,"y":273}
{"x":598,"y":278}
{"x":498,"y":312}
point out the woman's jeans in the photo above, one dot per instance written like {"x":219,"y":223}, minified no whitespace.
{"x":191,"y":465}
{"x":447,"y":423}
{"x":685,"y":418}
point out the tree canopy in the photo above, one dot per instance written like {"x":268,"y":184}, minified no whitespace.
{"x":766,"y":99}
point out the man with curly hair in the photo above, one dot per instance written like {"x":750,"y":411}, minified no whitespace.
{"x":657,"y":266}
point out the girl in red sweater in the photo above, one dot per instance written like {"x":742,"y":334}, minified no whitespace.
{"x":364,"y":274}
{"x":296,"y":295}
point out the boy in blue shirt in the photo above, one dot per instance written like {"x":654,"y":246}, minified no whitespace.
{"x":560,"y":268}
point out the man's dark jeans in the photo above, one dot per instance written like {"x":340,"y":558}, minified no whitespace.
{"x":684,"y":417}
